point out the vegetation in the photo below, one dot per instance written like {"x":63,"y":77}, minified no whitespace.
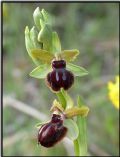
{"x":91,"y":28}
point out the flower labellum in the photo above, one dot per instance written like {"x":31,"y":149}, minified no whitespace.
{"x":52,"y":132}
{"x":59,"y":77}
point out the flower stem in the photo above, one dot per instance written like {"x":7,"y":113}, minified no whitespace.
{"x":80,"y":144}
{"x":76,"y":147}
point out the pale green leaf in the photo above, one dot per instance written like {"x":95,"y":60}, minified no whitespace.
{"x":45,"y":37}
{"x":42,"y":55}
{"x":82,"y":138}
{"x":37,"y":16}
{"x":69,"y":55}
{"x":73,"y":131}
{"x":41,"y":71}
{"x":56,"y":45}
{"x":77,"y":70}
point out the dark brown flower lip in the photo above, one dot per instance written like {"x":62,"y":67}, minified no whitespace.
{"x":52,"y":132}
{"x":60,"y":134}
{"x":60,"y":78}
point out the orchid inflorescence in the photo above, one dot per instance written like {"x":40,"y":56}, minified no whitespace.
{"x":55,"y":67}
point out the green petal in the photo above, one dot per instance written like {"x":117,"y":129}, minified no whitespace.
{"x":69,"y":55}
{"x":41,"y":71}
{"x":42,"y":55}
{"x":77,"y":70}
{"x":56,"y":105}
{"x":73,"y":131}
{"x":74,"y":111}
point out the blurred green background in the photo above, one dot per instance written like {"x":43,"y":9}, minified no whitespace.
{"x":93,"y":29}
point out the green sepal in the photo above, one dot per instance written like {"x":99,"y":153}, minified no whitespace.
{"x":72,"y":127}
{"x":77,"y":70}
{"x":41,"y":71}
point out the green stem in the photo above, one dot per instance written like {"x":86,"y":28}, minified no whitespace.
{"x":76,"y":147}
{"x":80,"y":144}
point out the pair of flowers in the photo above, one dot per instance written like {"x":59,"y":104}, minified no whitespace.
{"x":54,"y":131}
{"x":54,"y":65}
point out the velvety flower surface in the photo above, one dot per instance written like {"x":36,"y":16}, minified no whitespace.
{"x":59,"y":77}
{"x":52,"y":132}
